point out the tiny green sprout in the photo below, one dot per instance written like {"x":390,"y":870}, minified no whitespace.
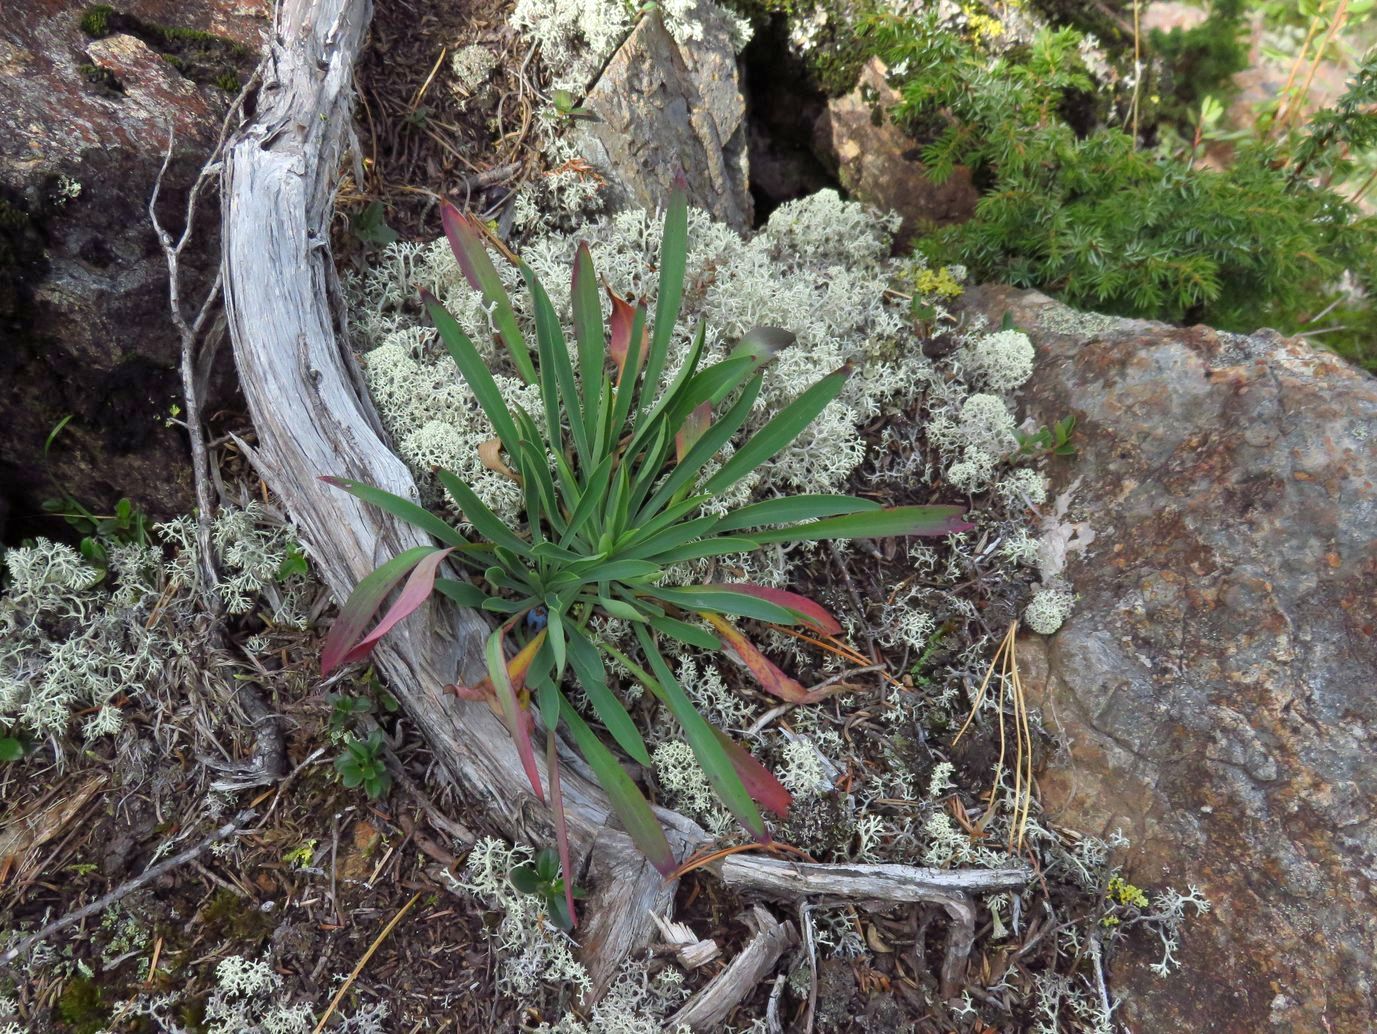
{"x":82,"y":868}
{"x":541,"y":878}
{"x":10,"y":748}
{"x":362,"y":764}
{"x":343,"y":710}
{"x":294,"y":563}
{"x":301,"y":856}
{"x":1049,"y":441}
{"x":566,"y":106}
{"x":370,"y":226}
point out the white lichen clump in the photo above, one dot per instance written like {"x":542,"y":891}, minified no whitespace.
{"x":1002,"y":361}
{"x":75,"y":638}
{"x":1047,"y":610}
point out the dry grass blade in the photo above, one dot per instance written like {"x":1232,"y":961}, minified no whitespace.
{"x":1011,"y":685}
{"x":358,"y":966}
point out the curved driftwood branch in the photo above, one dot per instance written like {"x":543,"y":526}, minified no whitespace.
{"x":313,"y":418}
{"x":879,"y":886}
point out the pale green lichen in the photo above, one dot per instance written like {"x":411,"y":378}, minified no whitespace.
{"x":76,"y":638}
{"x":1047,"y":610}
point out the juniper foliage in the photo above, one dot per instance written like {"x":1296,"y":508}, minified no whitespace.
{"x":1103,"y":222}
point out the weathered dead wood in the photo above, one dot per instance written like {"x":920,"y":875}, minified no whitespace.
{"x":312,"y":418}
{"x":710,"y":1007}
{"x":881,"y":886}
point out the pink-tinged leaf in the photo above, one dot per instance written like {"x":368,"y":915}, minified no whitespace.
{"x":621,"y":326}
{"x":518,"y":718}
{"x":813,"y":615}
{"x":759,"y":781}
{"x":561,"y":824}
{"x":416,"y":591}
{"x":771,"y":679}
{"x":364,"y":602}
{"x":693,"y":428}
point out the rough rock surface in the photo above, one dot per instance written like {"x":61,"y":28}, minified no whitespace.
{"x":84,"y":121}
{"x":877,"y":162}
{"x":663,"y":108}
{"x":1216,"y":680}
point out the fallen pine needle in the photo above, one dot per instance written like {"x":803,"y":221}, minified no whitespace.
{"x":358,"y":967}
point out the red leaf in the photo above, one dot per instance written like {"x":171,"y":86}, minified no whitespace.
{"x":462,"y":237}
{"x":771,"y":679}
{"x":561,"y":824}
{"x":620,"y":326}
{"x":692,"y":429}
{"x":416,"y":591}
{"x":516,"y":716}
{"x":814,"y":616}
{"x":363,"y":603}
{"x":758,"y":780}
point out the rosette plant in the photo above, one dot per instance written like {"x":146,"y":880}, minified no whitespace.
{"x":615,"y":471}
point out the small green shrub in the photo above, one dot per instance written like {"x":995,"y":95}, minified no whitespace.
{"x":1104,"y":222}
{"x":362,"y":764}
{"x":615,"y":473}
{"x":541,"y":879}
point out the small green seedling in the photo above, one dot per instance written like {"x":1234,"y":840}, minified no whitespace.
{"x":10,"y":749}
{"x":541,"y":878}
{"x":566,"y":106}
{"x":362,"y":764}
{"x":343,"y":710}
{"x":1049,"y":441}
{"x":370,"y":226}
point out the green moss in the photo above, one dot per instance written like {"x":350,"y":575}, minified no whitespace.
{"x":227,"y":917}
{"x":81,"y":1006}
{"x":228,"y":81}
{"x":95,"y":21}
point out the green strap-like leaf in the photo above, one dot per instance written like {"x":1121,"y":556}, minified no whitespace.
{"x":402,"y":508}
{"x":470,"y":249}
{"x":474,"y":371}
{"x":554,"y":354}
{"x":466,"y":594}
{"x":782,"y":429}
{"x":703,"y":450}
{"x":875,"y":524}
{"x":716,"y":765}
{"x":694,"y":636}
{"x":673,"y":262}
{"x":588,"y":667}
{"x":724,"y":601}
{"x":487,"y":523}
{"x":588,"y":332}
{"x":794,"y":508}
{"x":626,"y":800}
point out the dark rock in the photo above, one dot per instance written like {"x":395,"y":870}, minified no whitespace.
{"x":663,"y":109}
{"x":87,"y":98}
{"x":877,"y":162}
{"x":1215,"y":681}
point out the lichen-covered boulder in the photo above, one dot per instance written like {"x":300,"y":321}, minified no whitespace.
{"x":87,"y":98}
{"x":1215,"y":682}
{"x":664,"y":107}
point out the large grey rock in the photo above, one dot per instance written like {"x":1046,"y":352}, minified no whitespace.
{"x":663,"y":109}
{"x":1216,"y":681}
{"x":84,"y":121}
